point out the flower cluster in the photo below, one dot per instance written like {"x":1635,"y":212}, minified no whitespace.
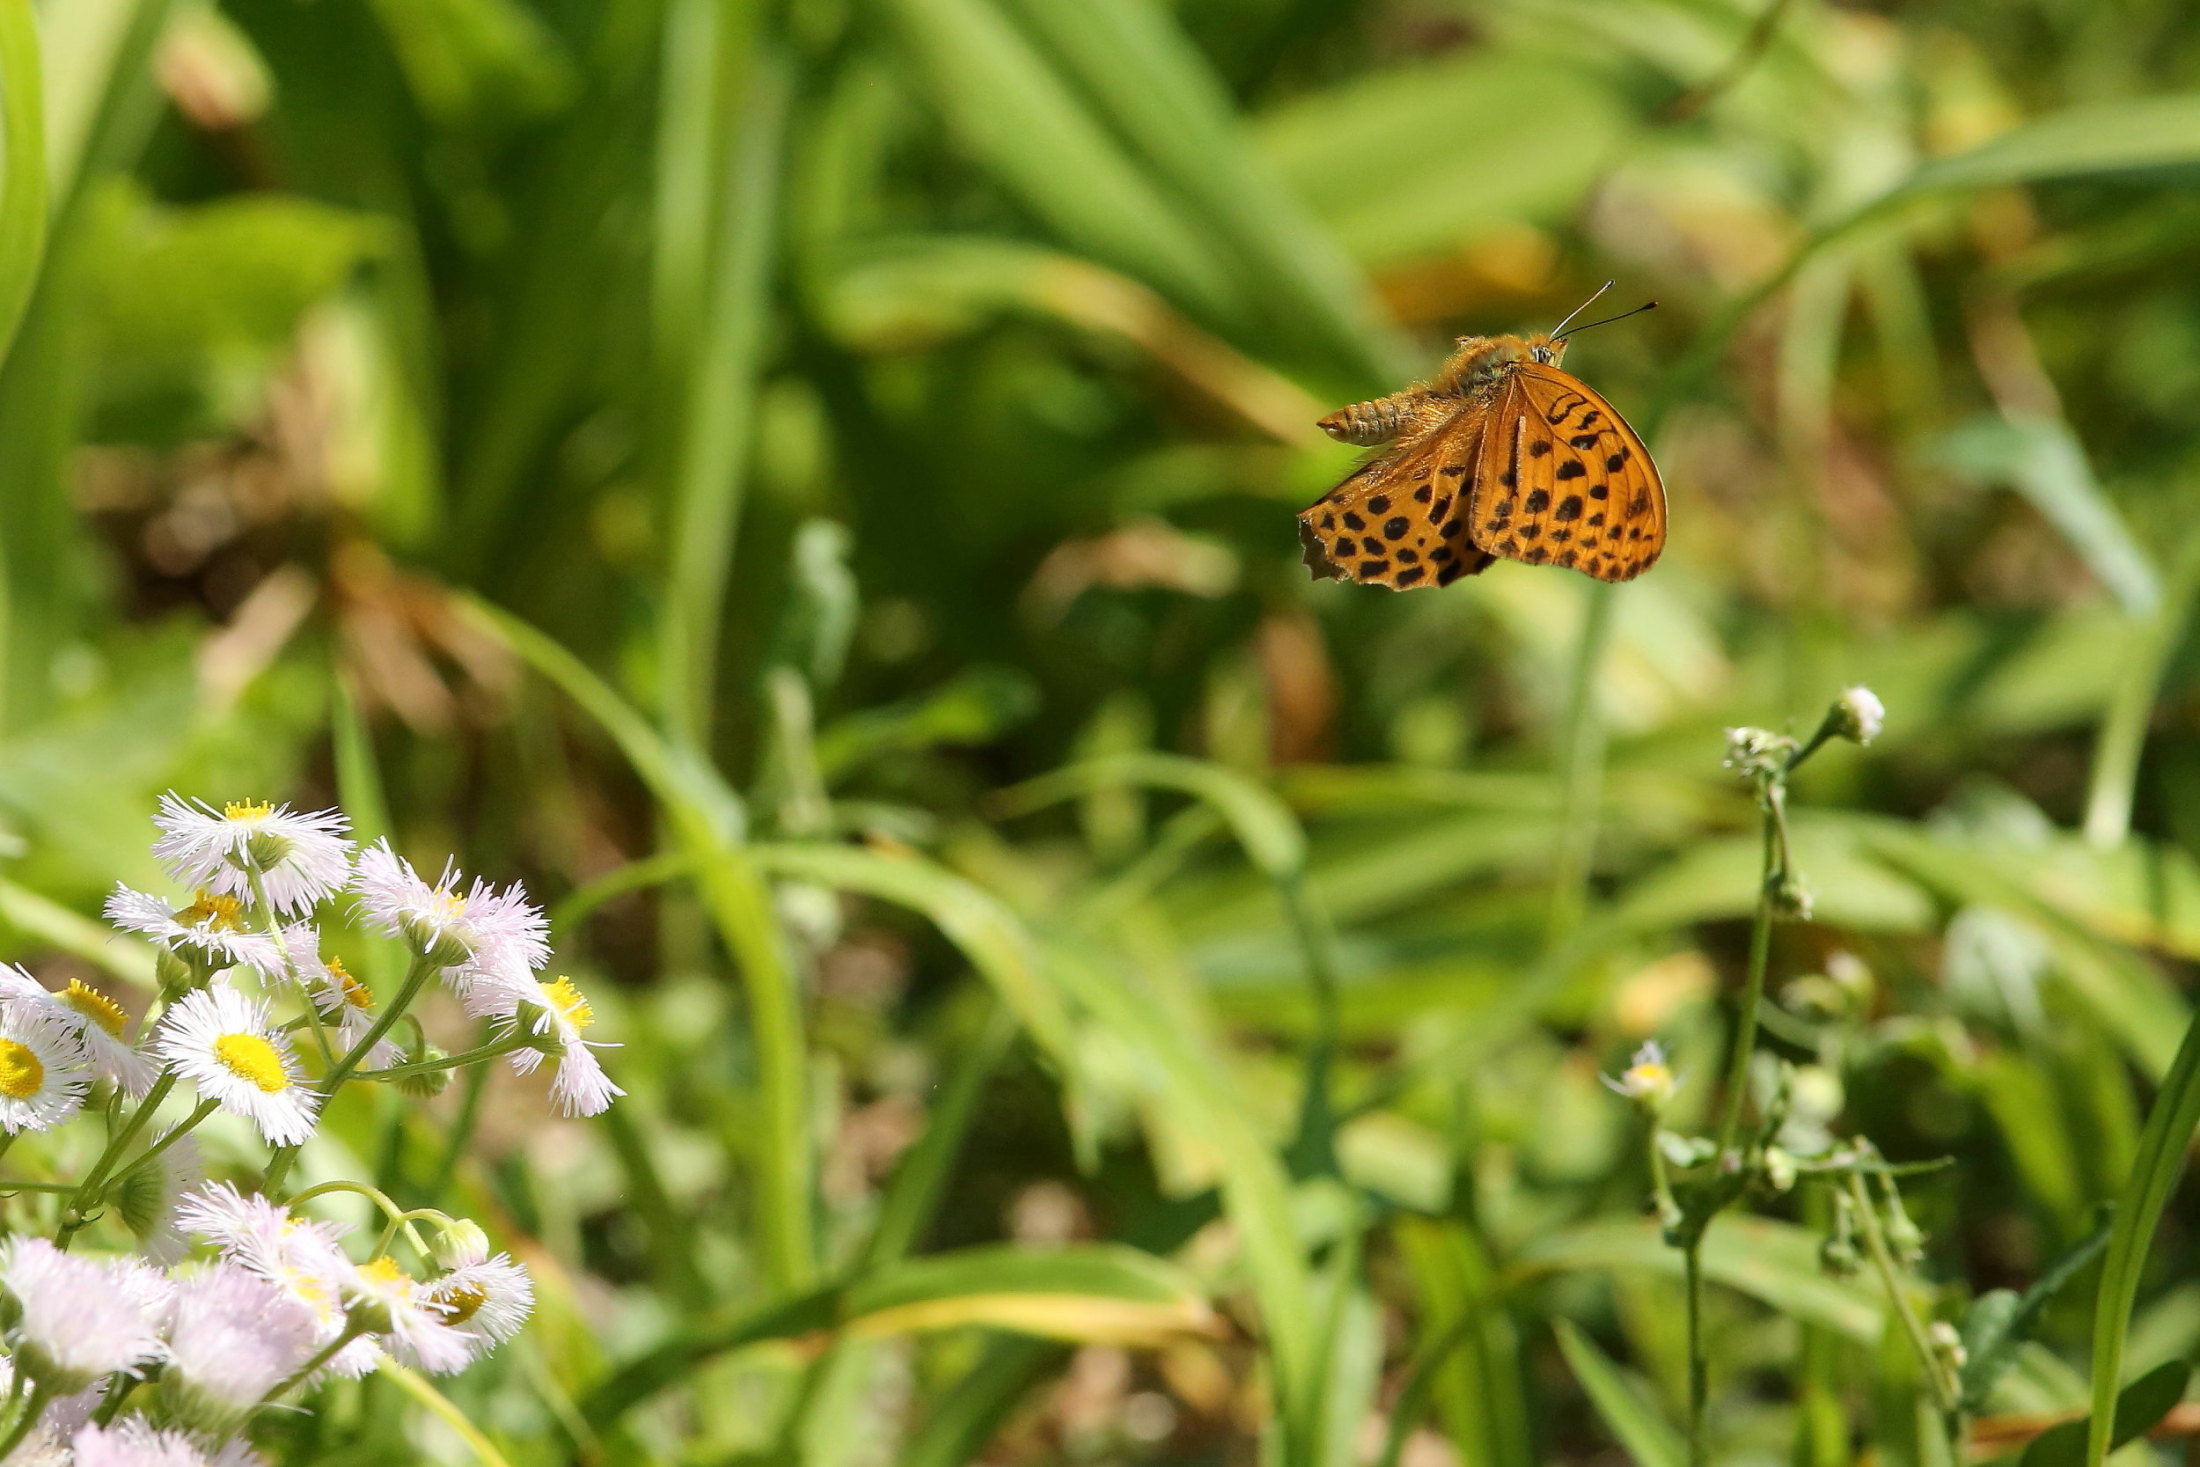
{"x":232,"y":1300}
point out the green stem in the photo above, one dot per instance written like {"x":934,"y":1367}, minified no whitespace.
{"x":416,"y":978}
{"x":32,"y":1410}
{"x":1699,"y":1368}
{"x":88,"y":1193}
{"x":518,"y":1039}
{"x":169,"y":1137}
{"x":321,"y":1357}
{"x":274,"y":930}
{"x":1745,"y":1032}
{"x":1875,"y":1243}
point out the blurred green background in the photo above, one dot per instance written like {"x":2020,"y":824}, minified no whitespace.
{"x":810,"y":488}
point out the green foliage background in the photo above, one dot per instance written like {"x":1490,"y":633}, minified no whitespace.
{"x":809,"y":487}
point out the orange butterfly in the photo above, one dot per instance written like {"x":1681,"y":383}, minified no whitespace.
{"x":1501,"y":454}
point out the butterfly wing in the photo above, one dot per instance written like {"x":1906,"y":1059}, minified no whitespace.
{"x":1400,"y":519}
{"x":1562,"y":480}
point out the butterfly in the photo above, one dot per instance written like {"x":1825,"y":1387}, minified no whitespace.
{"x":1499,"y":454}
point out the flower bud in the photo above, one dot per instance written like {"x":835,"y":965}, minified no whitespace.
{"x":424,"y":1084}
{"x":1779,"y":1169}
{"x":1754,"y":751}
{"x":1857,"y":715}
{"x":1946,"y":1343}
{"x":1838,"y":1257}
{"x":459,"y":1242}
{"x":1790,"y":898}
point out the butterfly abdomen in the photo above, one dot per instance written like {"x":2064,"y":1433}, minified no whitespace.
{"x":1376,"y":421}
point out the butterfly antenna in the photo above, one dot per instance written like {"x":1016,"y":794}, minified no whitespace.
{"x":1560,"y":329}
{"x":1608,"y":320}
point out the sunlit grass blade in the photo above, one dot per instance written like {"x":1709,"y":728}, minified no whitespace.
{"x":1016,"y":116}
{"x":2116,"y":750}
{"x":1156,"y":89}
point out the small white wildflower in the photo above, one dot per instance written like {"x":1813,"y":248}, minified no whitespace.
{"x":481,"y":933}
{"x":1648,"y":1079}
{"x":96,"y":1020}
{"x":302,"y":1257}
{"x":77,"y":1321}
{"x":235,"y":1337}
{"x":209,"y":934}
{"x":485,"y":1301}
{"x":412,"y":1324}
{"x":1753,"y":751}
{"x":340,"y":999}
{"x":300,"y":857}
{"x":555,"y":1015}
{"x":225,"y":1044}
{"x":1858,"y":715}
{"x":44,"y":1071}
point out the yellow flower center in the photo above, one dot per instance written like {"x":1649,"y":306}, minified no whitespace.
{"x":1647,"y":1077}
{"x":355,"y":993}
{"x":215,"y":910}
{"x":247,"y":810}
{"x":563,"y":999}
{"x":460,"y":1302}
{"x":449,"y":905}
{"x":21,"y":1073}
{"x":94,"y":1005}
{"x":253,"y":1060}
{"x":384,"y":1273}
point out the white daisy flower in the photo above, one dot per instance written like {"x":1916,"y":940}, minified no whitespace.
{"x":77,"y":1321}
{"x":302,"y":1257}
{"x":151,"y":1193}
{"x":209,"y":934}
{"x":300,"y":857}
{"x":555,"y":1014}
{"x":481,"y":933}
{"x":225,"y":1044}
{"x":97,"y":1020}
{"x":412,"y":1325}
{"x":44,"y":1071}
{"x":485,"y":1301}
{"x":235,"y":1337}
{"x":1648,"y":1077}
{"x":340,"y":999}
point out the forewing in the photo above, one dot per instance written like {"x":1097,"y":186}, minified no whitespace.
{"x":1564,"y":481}
{"x":1400,"y":519}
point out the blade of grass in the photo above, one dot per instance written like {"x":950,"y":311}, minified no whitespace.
{"x":2162,"y":1145}
{"x":2122,"y":737}
{"x":22,"y":166}
{"x":705,"y":819}
{"x":709,"y":470}
{"x":1154,"y":87}
{"x":1620,"y":1403}
{"x":1013,"y":113}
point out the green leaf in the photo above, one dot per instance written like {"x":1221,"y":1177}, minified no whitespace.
{"x":2138,"y":1407}
{"x":2092,"y":141}
{"x":1999,"y":1319}
{"x":1623,"y":1405}
{"x":1095,"y":1292}
{"x":1262,"y":823}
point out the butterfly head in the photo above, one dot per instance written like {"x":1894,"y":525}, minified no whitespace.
{"x":1546,"y":349}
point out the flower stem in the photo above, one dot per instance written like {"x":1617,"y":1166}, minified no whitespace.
{"x":1699,"y":1369}
{"x":290,"y":965}
{"x":416,"y":978}
{"x":518,"y":1039}
{"x":1753,"y":994}
{"x":88,"y":1193}
{"x":33,"y":1408}
{"x":1875,"y":1243}
{"x":321,"y":1357}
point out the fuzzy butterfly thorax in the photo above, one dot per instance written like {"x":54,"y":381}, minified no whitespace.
{"x":1501,"y":453}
